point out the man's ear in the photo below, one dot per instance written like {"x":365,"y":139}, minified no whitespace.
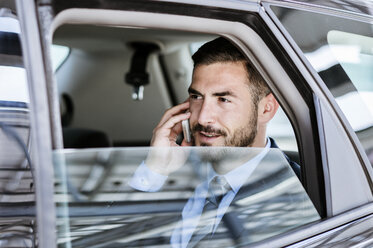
{"x":267,"y":108}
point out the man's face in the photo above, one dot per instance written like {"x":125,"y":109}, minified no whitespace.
{"x":222,"y":112}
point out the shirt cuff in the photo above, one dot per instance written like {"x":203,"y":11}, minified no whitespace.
{"x":144,"y":179}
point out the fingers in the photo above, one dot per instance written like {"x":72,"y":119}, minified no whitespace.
{"x":185,"y":143}
{"x":167,"y":130}
{"x":175,"y":119}
{"x":165,"y":135}
{"x":174,"y":111}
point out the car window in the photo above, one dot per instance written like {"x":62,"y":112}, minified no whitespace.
{"x":103,"y":68}
{"x":340,"y":50}
{"x":102,"y":114}
{"x":17,"y":197}
{"x":105,"y":197}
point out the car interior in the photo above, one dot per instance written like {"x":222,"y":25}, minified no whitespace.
{"x":98,"y":101}
{"x":114,"y":83}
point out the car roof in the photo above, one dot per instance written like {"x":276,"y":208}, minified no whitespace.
{"x":363,"y":7}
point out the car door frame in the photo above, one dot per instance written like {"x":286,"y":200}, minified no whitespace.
{"x":48,"y":119}
{"x":309,"y":156}
{"x":40,"y":124}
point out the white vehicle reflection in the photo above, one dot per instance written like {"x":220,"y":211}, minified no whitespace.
{"x":96,"y":204}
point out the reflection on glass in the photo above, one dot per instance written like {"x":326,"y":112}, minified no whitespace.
{"x":17,"y":197}
{"x":184,"y":197}
{"x":355,"y":54}
{"x":341,"y":51}
{"x":13,"y":84}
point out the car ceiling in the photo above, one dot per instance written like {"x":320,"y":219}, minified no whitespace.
{"x":87,"y":37}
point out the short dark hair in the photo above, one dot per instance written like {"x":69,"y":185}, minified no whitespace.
{"x":222,"y":50}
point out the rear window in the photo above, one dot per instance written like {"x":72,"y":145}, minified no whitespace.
{"x":341,"y":51}
{"x":108,"y":194}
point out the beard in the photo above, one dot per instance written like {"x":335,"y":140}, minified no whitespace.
{"x":241,"y":137}
{"x":244,"y":136}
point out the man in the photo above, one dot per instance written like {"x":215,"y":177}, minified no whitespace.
{"x":229,"y":105}
{"x":229,"y":102}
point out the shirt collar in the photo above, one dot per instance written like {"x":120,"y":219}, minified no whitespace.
{"x":237,"y":177}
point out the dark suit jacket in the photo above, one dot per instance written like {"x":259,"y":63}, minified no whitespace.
{"x":272,"y":172}
{"x":294,"y":165}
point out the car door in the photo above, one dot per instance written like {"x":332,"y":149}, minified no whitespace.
{"x":339,"y":86}
{"x":251,"y":27}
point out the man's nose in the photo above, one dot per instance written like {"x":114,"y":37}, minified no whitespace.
{"x":207,"y":113}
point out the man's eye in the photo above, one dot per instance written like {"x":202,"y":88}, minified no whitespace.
{"x":194,"y":97}
{"x":222,"y":99}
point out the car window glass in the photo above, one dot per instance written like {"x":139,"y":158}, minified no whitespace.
{"x":341,"y":51}
{"x":106,"y":197}
{"x":99,"y":112}
{"x":355,"y":54}
{"x":16,"y":181}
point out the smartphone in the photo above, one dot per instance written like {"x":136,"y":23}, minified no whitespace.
{"x":186,"y":130}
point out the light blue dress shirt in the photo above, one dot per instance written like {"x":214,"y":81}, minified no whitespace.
{"x":147,"y":180}
{"x":193,"y":208}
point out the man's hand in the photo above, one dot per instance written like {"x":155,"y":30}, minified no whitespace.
{"x":169,"y":127}
{"x":165,"y":156}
